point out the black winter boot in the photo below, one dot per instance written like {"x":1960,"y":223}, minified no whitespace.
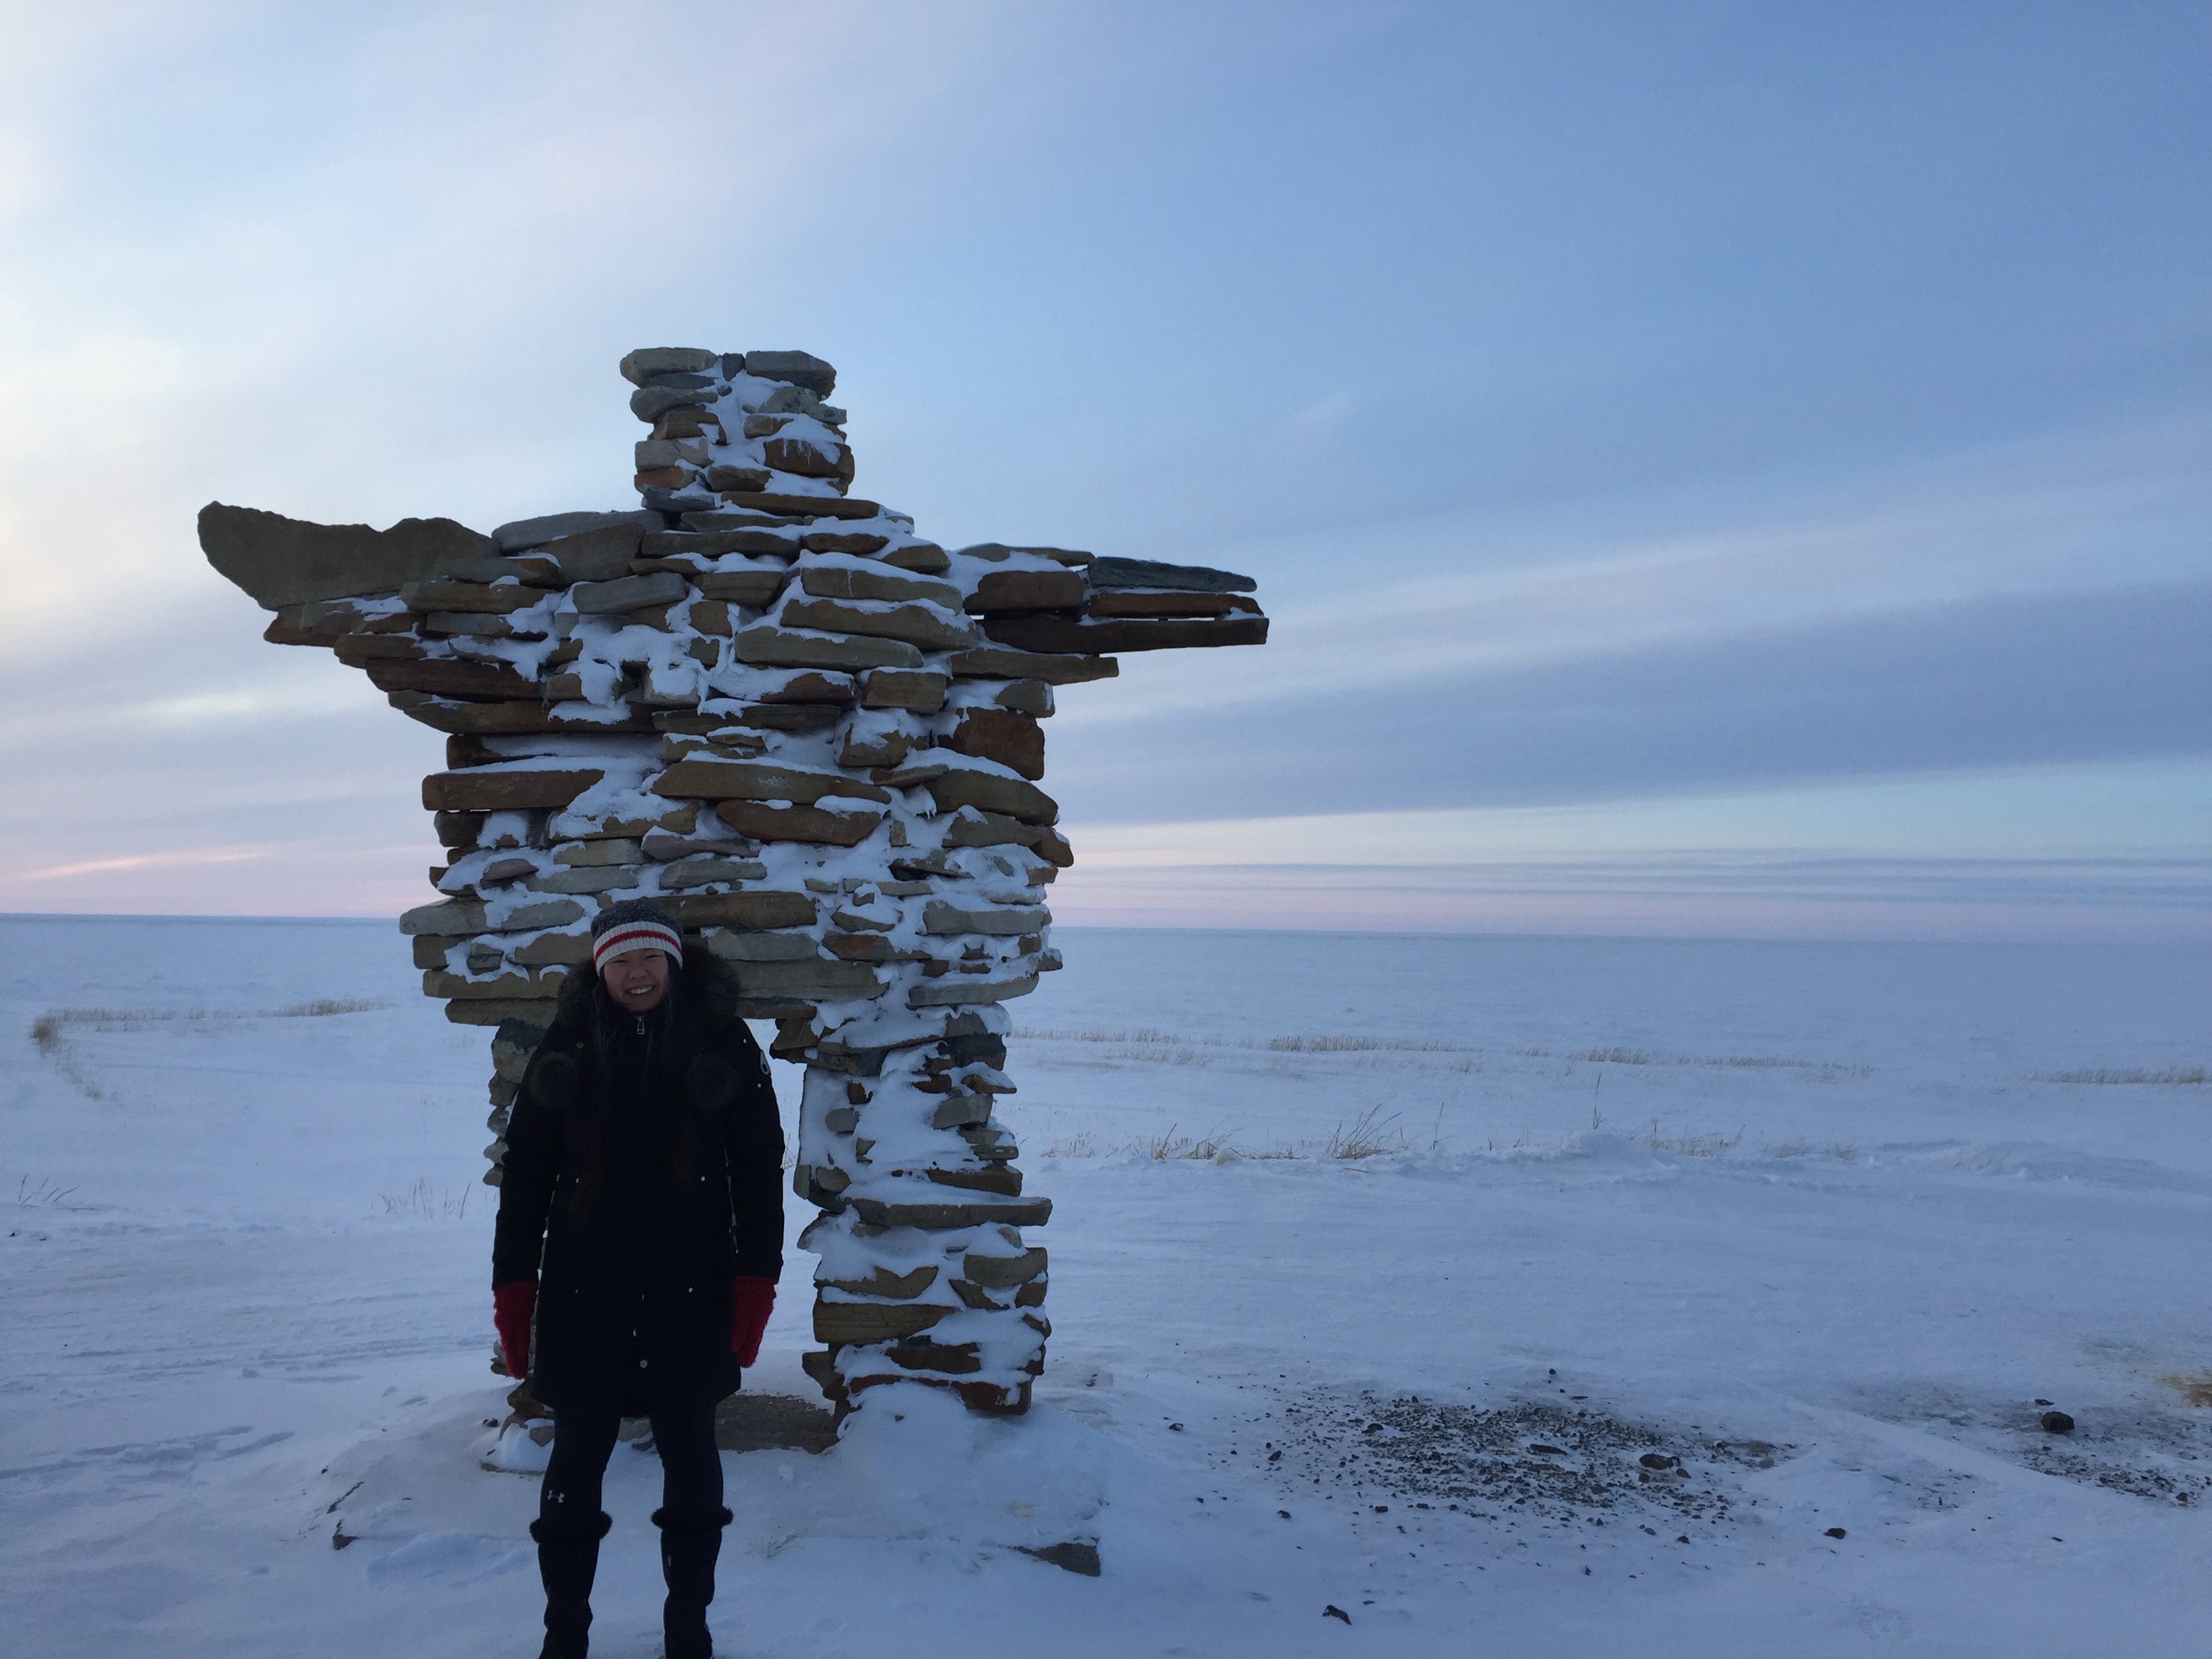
{"x":689,"y":1546}
{"x":568,"y":1562}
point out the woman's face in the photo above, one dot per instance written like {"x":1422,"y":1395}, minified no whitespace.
{"x":636,"y":980}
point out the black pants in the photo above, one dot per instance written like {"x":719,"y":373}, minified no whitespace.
{"x":690,"y":1466}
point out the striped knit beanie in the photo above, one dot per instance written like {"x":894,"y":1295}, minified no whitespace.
{"x":636,"y":924}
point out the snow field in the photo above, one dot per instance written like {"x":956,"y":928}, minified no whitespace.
{"x":1816,"y":1221}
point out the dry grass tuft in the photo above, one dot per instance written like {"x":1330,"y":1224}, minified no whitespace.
{"x":1216,"y":1148}
{"x":419,"y":1200}
{"x":1370,"y":1134}
{"x":1096,"y":1034}
{"x":1343,"y":1045}
{"x":1757,"y":1062}
{"x":41,"y":1194}
{"x":49,"y":1029}
{"x":1688,"y":1145}
{"x":1798,"y":1146}
{"x":1081,"y":1144}
{"x":1185,"y":1051}
{"x":1171,"y":1145}
{"x":1301,"y":1043}
{"x":2185,"y":1077}
{"x":46,"y":1032}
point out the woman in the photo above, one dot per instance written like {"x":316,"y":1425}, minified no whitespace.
{"x":644,"y":1163}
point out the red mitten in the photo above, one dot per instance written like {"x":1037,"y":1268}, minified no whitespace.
{"x":755,"y":1299}
{"x":512,"y":1305}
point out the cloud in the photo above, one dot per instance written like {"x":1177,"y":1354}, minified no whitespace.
{"x":2006,"y":681}
{"x":2156,"y":809}
{"x":1420,"y":598}
{"x":2103,"y":852}
{"x":150,"y":861}
{"x":1594,"y":433}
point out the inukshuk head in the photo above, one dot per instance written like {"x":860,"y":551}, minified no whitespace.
{"x":813,"y":736}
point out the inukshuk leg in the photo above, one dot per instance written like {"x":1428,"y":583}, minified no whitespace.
{"x":924,"y":1273}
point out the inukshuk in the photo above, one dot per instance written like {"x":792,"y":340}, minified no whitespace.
{"x":813,"y":735}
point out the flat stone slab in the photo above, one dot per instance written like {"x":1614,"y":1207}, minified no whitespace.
{"x":1010,"y":1212}
{"x":526,"y":719}
{"x":955,"y":989}
{"x":769,"y":647}
{"x":874,"y":1321}
{"x":800,"y":369}
{"x":490,"y":681}
{"x":1027,"y":590}
{"x":821,"y":825}
{"x":1153,"y":574}
{"x":1006,"y":922}
{"x":917,"y":624}
{"x":802,"y":507}
{"x":641,"y":365}
{"x":739,"y":780}
{"x":283,"y":561}
{"x":629,"y":593}
{"x":989,"y":663}
{"x":1056,"y":634}
{"x":485,"y":789}
{"x":843,"y":582}
{"x":552,"y":527}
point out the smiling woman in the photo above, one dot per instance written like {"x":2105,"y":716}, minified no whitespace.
{"x":643,"y":1172}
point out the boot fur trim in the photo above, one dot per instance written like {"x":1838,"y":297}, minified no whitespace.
{"x":589,"y":1533}
{"x":712,"y":1521}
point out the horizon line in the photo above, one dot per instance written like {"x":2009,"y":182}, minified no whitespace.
{"x":2170,"y":940}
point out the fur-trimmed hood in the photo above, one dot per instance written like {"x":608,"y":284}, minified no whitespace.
{"x":701,"y":1007}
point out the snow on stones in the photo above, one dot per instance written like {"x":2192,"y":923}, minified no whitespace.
{"x":815,"y":737}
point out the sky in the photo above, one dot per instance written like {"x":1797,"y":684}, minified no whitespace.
{"x":1714,"y":468}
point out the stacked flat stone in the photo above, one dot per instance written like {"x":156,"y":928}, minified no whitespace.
{"x":814,"y":736}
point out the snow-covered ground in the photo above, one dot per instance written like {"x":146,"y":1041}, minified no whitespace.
{"x":1823,"y":1222}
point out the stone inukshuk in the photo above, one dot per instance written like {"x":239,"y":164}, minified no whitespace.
{"x":813,"y":735}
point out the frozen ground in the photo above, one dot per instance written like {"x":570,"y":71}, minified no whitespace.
{"x":1822,"y":1224}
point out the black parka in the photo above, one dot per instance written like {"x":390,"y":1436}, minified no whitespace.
{"x":645,"y":1168}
